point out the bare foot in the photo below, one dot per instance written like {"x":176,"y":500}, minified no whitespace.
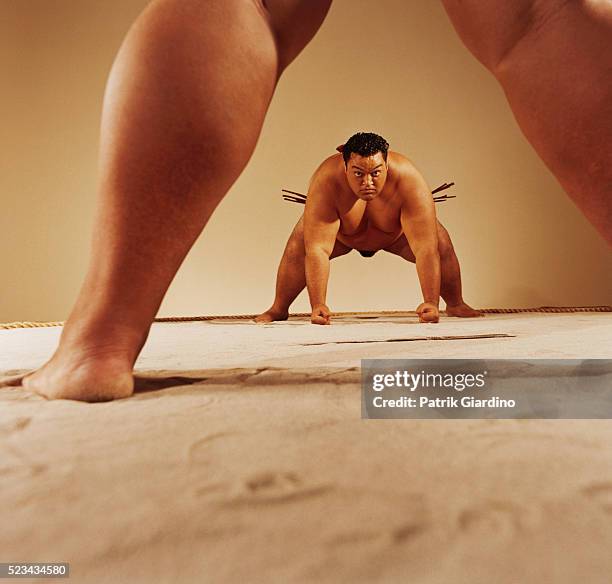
{"x":462,"y":310}
{"x":271,"y":316}
{"x":13,"y":380}
{"x":91,"y":377}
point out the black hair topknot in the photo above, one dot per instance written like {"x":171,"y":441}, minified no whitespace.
{"x":365,"y":144}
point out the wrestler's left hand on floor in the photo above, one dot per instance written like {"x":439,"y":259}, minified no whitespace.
{"x":320,"y":315}
{"x":428,"y":312}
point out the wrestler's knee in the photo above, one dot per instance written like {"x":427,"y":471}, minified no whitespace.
{"x":193,"y":114}
{"x":445,"y":245}
{"x":295,"y":246}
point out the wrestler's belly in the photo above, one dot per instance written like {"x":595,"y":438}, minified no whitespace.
{"x":370,"y":239}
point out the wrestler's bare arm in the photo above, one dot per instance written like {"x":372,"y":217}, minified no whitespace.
{"x":321,"y":225}
{"x":418,"y":218}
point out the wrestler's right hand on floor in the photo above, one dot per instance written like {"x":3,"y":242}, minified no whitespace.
{"x":320,"y":315}
{"x":428,"y":312}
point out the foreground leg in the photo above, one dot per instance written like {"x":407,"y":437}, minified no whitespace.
{"x":553,"y":59}
{"x":450,"y":273}
{"x":183,"y":110}
{"x":291,"y":276}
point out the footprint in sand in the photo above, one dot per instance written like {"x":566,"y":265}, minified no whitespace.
{"x":494,"y":519}
{"x":19,"y":469}
{"x":12,"y":460}
{"x":409,"y":532}
{"x":198,"y":451}
{"x":273,"y":488}
{"x":9,"y":427}
{"x":404,"y":533}
{"x":601,"y":494}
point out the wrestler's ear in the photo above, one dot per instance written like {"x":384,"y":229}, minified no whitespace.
{"x":340,"y":148}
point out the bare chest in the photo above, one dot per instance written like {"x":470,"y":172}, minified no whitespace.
{"x":375,"y":217}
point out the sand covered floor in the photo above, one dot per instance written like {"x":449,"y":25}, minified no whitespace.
{"x":243,"y":458}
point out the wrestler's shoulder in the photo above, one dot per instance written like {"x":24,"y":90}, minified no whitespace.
{"x":401,"y":164}
{"x":405,"y":174}
{"x":331,"y":163}
{"x":329,"y":170}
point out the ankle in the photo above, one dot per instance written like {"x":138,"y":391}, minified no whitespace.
{"x":452,"y":302}
{"x":108,"y":342}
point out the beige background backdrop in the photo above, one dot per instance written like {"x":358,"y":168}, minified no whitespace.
{"x":393,"y":67}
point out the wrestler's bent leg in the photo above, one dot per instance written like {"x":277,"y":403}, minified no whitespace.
{"x":184,"y":106}
{"x":553,"y":58}
{"x":291,"y":276}
{"x":450,"y":272}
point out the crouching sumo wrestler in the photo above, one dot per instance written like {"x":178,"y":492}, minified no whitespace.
{"x":368,"y":199}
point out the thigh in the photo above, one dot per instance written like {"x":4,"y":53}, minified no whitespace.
{"x":294,"y":23}
{"x":401,"y":246}
{"x":553,"y":61}
{"x":490,"y":29}
{"x":296,"y":242}
{"x":187,"y":96}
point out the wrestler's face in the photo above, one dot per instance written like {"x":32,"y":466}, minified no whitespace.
{"x":366,"y":175}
